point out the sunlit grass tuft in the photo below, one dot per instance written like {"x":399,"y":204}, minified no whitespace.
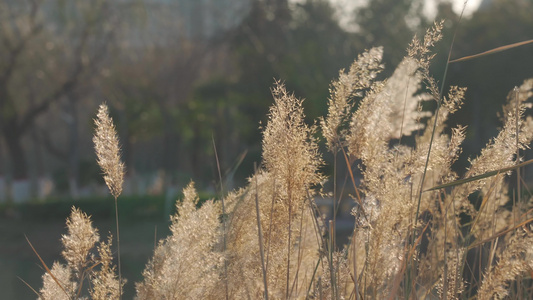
{"x":419,"y":230}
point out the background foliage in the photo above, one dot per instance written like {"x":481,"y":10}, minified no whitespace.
{"x":173,"y":91}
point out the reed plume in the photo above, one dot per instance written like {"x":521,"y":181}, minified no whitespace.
{"x":65,"y":281}
{"x":108,"y":157}
{"x":108,"y":151}
{"x":187,"y":264}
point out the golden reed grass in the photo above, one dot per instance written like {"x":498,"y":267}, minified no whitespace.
{"x":409,"y":241}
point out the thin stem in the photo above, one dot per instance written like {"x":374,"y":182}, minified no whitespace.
{"x":118,"y":249}
{"x":270,"y":224}
{"x":330,"y":253}
{"x":312,"y":278}
{"x":518,"y":191}
{"x":439,"y":100}
{"x":223,"y":217}
{"x":334,"y":191}
{"x":289,"y":248}
{"x":46,"y":268}
{"x":300,"y":250}
{"x":445,"y":276}
{"x":260,"y":236}
{"x":355,"y":266}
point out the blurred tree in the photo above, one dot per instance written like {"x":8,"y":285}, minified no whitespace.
{"x":131,"y":97}
{"x":49,"y":49}
{"x":321,"y":49}
{"x":301,"y":44}
{"x":305,"y":49}
{"x":152,"y":95}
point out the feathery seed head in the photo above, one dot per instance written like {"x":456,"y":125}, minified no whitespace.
{"x":512,"y":263}
{"x":289,"y":149}
{"x":108,"y":151}
{"x":342,"y":91}
{"x":104,"y":282}
{"x":78,"y":246}
{"x":50,"y":289}
{"x":81,"y":238}
{"x":186,"y":264}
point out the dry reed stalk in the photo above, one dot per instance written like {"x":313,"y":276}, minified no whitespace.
{"x":108,"y":151}
{"x":260,"y":238}
{"x":108,"y":157}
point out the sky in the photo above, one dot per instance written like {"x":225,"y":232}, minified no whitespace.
{"x":471,"y":6}
{"x":431,"y":5}
{"x":346,"y":7}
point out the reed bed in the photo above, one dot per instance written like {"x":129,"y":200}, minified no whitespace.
{"x":420,"y":231}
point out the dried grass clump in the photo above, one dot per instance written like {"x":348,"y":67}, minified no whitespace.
{"x":66,"y":281}
{"x":282,"y":191}
{"x":395,"y":213}
{"x":290,"y":151}
{"x":419,"y":231}
{"x":187,"y":264}
{"x":514,"y":260}
{"x":345,"y":90}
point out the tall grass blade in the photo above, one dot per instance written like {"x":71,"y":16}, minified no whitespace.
{"x":28,"y":285}
{"x":516,"y":92}
{"x":478,"y":177}
{"x":501,"y":233}
{"x":492,"y":51}
{"x":46,"y":267}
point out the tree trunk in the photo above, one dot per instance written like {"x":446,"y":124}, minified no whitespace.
{"x":73,"y":149}
{"x":171,"y":148}
{"x":15,"y":153}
